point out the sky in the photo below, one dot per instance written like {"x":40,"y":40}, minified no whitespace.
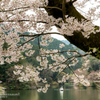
{"x":59,"y":37}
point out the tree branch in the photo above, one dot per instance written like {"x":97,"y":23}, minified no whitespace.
{"x":26,"y":42}
{"x":10,"y":10}
{"x":52,"y":8}
{"x":1,"y":21}
{"x":73,"y":1}
{"x":39,"y":34}
{"x":24,"y":20}
{"x":64,"y":10}
{"x":39,"y":43}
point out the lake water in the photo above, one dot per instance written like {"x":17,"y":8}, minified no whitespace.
{"x":53,"y":94}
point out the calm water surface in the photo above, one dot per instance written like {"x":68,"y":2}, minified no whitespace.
{"x":53,"y":94}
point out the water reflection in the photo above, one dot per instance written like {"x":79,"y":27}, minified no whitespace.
{"x":55,"y":94}
{"x":22,"y":95}
{"x":75,"y":87}
{"x":61,"y":90}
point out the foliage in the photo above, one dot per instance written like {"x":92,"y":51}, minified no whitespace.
{"x":95,"y":64}
{"x":48,"y":74}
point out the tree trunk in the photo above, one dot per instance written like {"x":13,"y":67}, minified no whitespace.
{"x":77,"y":39}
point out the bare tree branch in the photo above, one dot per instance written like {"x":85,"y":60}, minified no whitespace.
{"x":64,"y":10}
{"x":39,"y":43}
{"x":24,"y":20}
{"x":51,"y":7}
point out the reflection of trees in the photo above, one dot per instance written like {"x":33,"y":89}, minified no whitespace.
{"x":24,"y":95}
{"x":68,"y":94}
{"x":33,"y":95}
{"x":48,"y":96}
{"x":55,"y":94}
{"x":52,"y":94}
{"x":88,"y":94}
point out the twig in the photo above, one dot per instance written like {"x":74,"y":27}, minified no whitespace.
{"x":39,"y":43}
{"x":52,"y":7}
{"x":39,"y":34}
{"x":26,"y":42}
{"x":10,"y":10}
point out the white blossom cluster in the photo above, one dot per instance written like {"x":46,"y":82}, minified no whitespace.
{"x":40,"y":21}
{"x":80,"y":79}
{"x":46,"y":40}
{"x":30,"y":74}
{"x":92,"y":12}
{"x":94,"y":50}
{"x":10,"y":49}
{"x":86,"y":64}
{"x":64,"y":78}
{"x":61,"y":45}
{"x":60,"y":60}
{"x":30,"y":52}
{"x":44,"y":62}
{"x":72,"y":25}
{"x":98,"y":75}
{"x":26,"y":74}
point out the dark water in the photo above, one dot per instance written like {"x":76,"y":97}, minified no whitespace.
{"x":53,"y":94}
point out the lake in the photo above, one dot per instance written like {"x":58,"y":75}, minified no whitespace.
{"x":69,"y":93}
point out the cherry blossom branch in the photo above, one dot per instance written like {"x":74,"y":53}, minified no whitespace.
{"x":15,"y":14}
{"x":35,"y":36}
{"x":24,"y":20}
{"x":61,"y":71}
{"x":26,"y":42}
{"x":40,"y":34}
{"x":10,"y":10}
{"x":73,"y":72}
{"x":14,"y":20}
{"x":15,"y":9}
{"x":67,"y":66}
{"x":80,"y":55}
{"x":67,"y":51}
